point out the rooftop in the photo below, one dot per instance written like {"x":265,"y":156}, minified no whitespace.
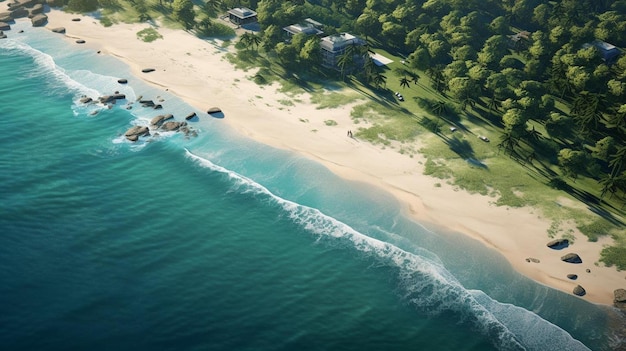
{"x":339,"y":41}
{"x":242,"y":12}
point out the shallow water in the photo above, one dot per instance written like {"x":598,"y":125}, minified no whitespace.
{"x":220,"y":243}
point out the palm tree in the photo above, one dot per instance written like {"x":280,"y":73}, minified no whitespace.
{"x":494,"y":104}
{"x":439,"y":108}
{"x":246,"y":40}
{"x":404,"y":82}
{"x":533,"y":135}
{"x":611,"y":183}
{"x":379,"y":79}
{"x":617,"y":160}
{"x":468,"y":101}
{"x":255,"y":40}
{"x":508,"y":142}
{"x":212,"y":7}
{"x":415,"y":78}
{"x":345,"y":61}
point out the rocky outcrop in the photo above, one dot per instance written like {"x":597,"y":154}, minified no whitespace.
{"x":2,"y":35}
{"x":620,"y":299}
{"x":172,"y":126}
{"x":111,"y":98}
{"x":37,"y":9}
{"x":18,"y":12}
{"x":5,"y":17}
{"x":579,"y":291}
{"x":85,"y":100}
{"x":160,"y":119}
{"x":572,"y":276}
{"x":39,"y":20}
{"x":135,"y":132}
{"x":571,"y":258}
{"x":558,"y":244}
{"x":146,"y":103}
{"x":60,"y":30}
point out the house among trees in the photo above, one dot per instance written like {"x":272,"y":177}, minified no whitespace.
{"x":334,"y":46}
{"x":242,"y":16}
{"x":517,"y":38}
{"x":608,"y":52}
{"x":308,"y":27}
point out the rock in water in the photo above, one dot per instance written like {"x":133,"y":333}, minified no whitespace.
{"x":190,"y":116}
{"x":171,"y":126}
{"x":579,"y":291}
{"x":213,"y":110}
{"x":158,"y":120}
{"x":135,"y":132}
{"x":122,"y":81}
{"x":571,"y":258}
{"x":558,"y":244}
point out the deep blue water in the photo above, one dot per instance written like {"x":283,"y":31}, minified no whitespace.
{"x":219,"y":243}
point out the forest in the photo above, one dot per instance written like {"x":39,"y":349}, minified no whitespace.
{"x":549,"y":74}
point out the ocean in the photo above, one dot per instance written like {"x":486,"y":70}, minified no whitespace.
{"x":217,"y":242}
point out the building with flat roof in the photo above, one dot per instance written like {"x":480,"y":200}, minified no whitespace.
{"x":608,"y":52}
{"x":333,"y":46}
{"x":242,"y":15}
{"x":308,"y":27}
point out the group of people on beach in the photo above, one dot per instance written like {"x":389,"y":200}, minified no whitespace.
{"x":350,"y":133}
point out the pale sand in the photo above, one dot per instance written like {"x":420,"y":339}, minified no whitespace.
{"x":197,"y":71}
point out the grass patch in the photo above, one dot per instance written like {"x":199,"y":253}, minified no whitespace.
{"x":333,"y":100}
{"x":614,"y":256}
{"x":286,"y":102}
{"x":595,"y":229}
{"x":149,"y":35}
{"x":330,"y":122}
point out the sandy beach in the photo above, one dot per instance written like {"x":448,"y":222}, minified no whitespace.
{"x":198,"y":72}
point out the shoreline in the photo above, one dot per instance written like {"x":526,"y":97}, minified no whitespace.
{"x":196,"y":71}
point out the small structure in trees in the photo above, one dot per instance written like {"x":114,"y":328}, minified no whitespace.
{"x":608,"y":52}
{"x":308,"y":27}
{"x":334,"y":46}
{"x":242,"y":16}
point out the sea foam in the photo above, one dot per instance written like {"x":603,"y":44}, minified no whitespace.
{"x":424,"y":281}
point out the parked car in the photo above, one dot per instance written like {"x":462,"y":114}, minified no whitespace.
{"x":483,"y":138}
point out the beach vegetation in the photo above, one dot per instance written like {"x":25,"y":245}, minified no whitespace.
{"x":149,"y":35}
{"x":330,"y":122}
{"x":82,"y":6}
{"x":183,"y":12}
{"x":518,"y":105}
{"x":614,"y":256}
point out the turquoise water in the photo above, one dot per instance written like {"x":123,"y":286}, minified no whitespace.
{"x":220,"y":243}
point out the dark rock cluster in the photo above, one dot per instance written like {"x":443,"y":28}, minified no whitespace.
{"x":164,"y":122}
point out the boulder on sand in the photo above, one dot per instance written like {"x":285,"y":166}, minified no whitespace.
{"x":60,"y":30}
{"x":571,"y":258}
{"x":558,"y":244}
{"x":148,"y":70}
{"x":572,"y":276}
{"x":39,"y":20}
{"x":122,"y":81}
{"x":214,"y":110}
{"x":579,"y":291}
